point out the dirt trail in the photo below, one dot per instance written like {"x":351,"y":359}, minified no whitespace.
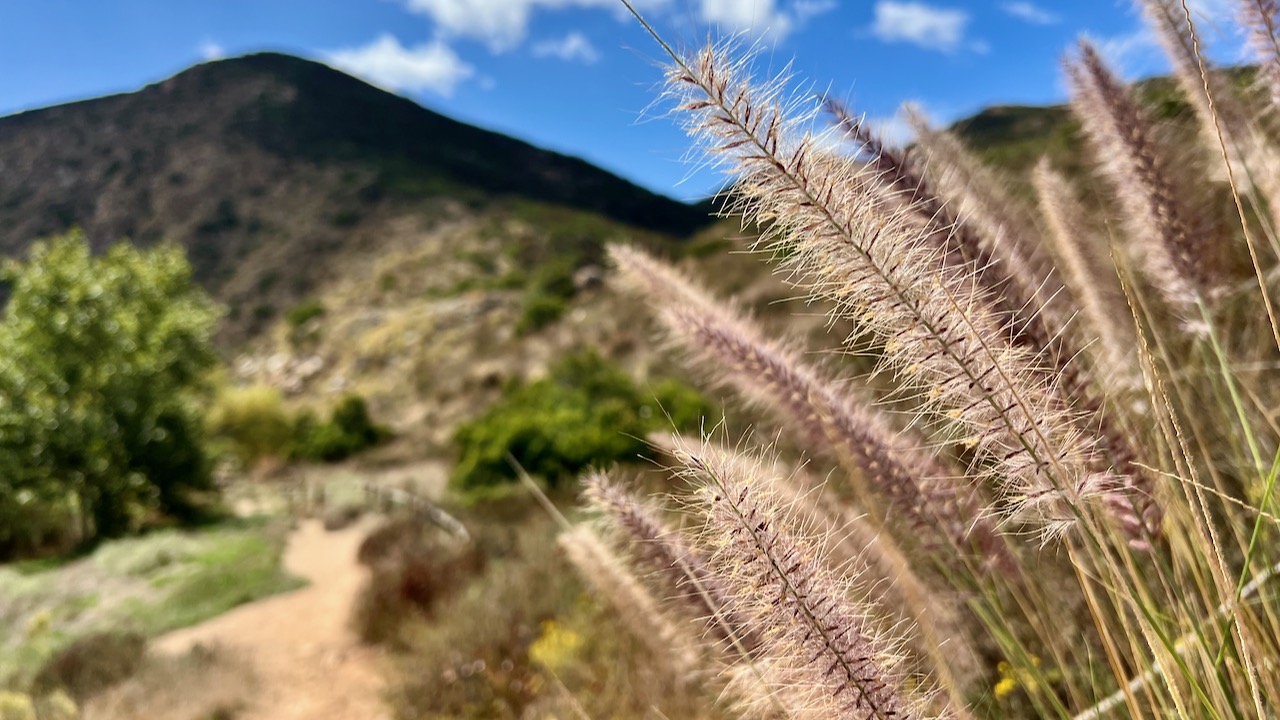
{"x":309,"y":664}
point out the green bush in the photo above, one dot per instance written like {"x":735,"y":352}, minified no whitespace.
{"x":588,"y":412}
{"x":547,"y":295}
{"x":679,"y":405}
{"x":349,"y":430}
{"x":540,"y":311}
{"x":304,"y":312}
{"x":253,"y":421}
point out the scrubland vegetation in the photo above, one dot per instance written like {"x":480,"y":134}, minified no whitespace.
{"x":1027,"y":470}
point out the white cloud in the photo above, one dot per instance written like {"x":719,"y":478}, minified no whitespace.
{"x":930,"y":27}
{"x":504,"y":24}
{"x":210,"y":50}
{"x":894,"y":130}
{"x":385,"y":62}
{"x":574,"y":46}
{"x":756,"y":16}
{"x":1032,"y":13}
{"x":762,"y":17}
{"x":501,"y":23}
{"x":805,"y":10}
{"x":1131,"y":54}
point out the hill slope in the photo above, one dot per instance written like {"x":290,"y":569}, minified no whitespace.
{"x":272,"y":170}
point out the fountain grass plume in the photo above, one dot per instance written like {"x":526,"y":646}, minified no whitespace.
{"x":940,"y":335}
{"x":1007,"y":228}
{"x":964,"y":247}
{"x":1038,"y":322}
{"x":824,"y":656}
{"x":680,"y":569}
{"x":1261,"y":18}
{"x":1124,"y":144}
{"x":1106,"y":317}
{"x":894,"y":463}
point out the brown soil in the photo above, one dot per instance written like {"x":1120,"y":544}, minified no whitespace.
{"x":308,"y":663}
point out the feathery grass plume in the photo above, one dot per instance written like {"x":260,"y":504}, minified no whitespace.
{"x":664,"y":553}
{"x":1102,"y":302}
{"x":684,"y":572}
{"x":1007,"y":227}
{"x":1262,"y":19}
{"x":826,"y":421}
{"x":940,"y":334}
{"x":824,"y":656}
{"x":850,"y":543}
{"x":1217,"y":106}
{"x":614,"y":582}
{"x":1034,"y":292}
{"x":962,"y":246}
{"x":1015,"y":297}
{"x":853,"y":545}
{"x":1125,"y":147}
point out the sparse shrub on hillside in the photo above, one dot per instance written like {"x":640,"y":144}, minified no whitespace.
{"x":16,"y":706}
{"x":305,"y":312}
{"x":547,"y":296}
{"x":587,"y":412}
{"x":477,"y":664}
{"x":342,"y":516}
{"x":348,"y":431}
{"x":253,"y":421}
{"x":540,"y":311}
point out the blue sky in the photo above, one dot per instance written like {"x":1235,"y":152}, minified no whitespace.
{"x":576,"y":75}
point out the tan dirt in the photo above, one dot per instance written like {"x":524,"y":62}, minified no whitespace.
{"x":308,"y":663}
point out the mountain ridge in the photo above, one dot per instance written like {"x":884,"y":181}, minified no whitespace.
{"x":270,"y":170}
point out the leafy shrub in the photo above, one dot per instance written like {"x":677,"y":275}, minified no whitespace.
{"x":304,"y":312}
{"x":587,"y":412}
{"x":253,"y":421}
{"x":349,"y":430}
{"x":547,"y":296}
{"x":35,"y":529}
{"x":540,"y":311}
{"x":92,"y":664}
{"x":678,"y":405}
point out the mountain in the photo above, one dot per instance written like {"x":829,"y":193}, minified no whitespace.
{"x":1014,"y":137}
{"x":273,"y":170}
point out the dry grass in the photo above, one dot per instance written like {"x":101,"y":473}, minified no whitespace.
{"x":208,"y":683}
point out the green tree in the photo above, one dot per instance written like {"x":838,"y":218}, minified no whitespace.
{"x":100,"y":357}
